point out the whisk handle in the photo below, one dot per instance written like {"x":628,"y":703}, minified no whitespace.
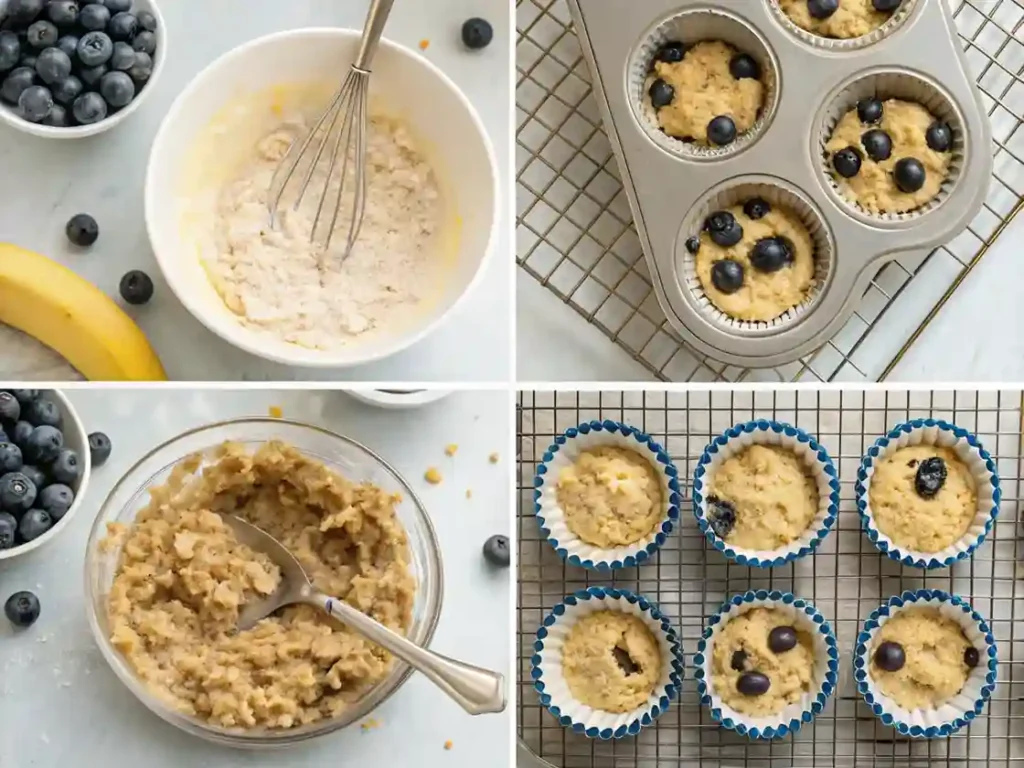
{"x":376,"y":19}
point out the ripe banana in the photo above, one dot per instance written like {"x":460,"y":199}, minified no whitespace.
{"x":74,"y":318}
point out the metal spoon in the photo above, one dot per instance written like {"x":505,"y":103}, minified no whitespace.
{"x":476,"y":690}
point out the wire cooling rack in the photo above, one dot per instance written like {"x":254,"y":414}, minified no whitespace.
{"x":575,"y":235}
{"x":846,"y":579}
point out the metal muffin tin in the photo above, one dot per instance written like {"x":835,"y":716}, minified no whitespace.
{"x":916,"y":56}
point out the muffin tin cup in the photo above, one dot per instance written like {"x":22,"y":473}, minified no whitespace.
{"x":549,"y":681}
{"x":898,"y":18}
{"x":906,"y":86}
{"x":811,"y":453}
{"x":778,"y":193}
{"x":962,"y":708}
{"x":826,"y":667}
{"x":562,"y":453}
{"x":702,"y":24}
{"x":970,"y":451}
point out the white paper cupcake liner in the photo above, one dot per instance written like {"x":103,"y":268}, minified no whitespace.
{"x":807,"y":449}
{"x":875,"y":36}
{"x":970,"y":451}
{"x":962,"y":708}
{"x":777,"y":193}
{"x":562,"y":453}
{"x":806,"y":618}
{"x":549,"y":681}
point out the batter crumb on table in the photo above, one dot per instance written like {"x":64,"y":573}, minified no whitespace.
{"x":432,"y":476}
{"x":450,"y":449}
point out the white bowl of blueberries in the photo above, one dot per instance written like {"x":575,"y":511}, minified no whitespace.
{"x":75,"y":68}
{"x":45,"y":461}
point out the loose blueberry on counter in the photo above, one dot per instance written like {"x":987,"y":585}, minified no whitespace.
{"x":822,"y":9}
{"x":34,"y":524}
{"x":10,"y":408}
{"x":497,"y":552}
{"x":22,"y":609}
{"x":661,"y":93}
{"x":738,"y":660}
{"x":20,"y":433}
{"x":69,"y":44}
{"x":63,"y":13}
{"x":136,"y":287}
{"x":939,"y":136}
{"x":35,"y":103}
{"x":877,"y":144}
{"x":727,"y":276}
{"x":124,"y":26}
{"x":476,"y":34}
{"x":42,"y":34}
{"x":123,"y":57}
{"x":930,"y":477}
{"x":10,"y":458}
{"x":743,"y":66}
{"x":753,"y":684}
{"x":886,"y":6}
{"x":721,"y":516}
{"x":99,"y":448}
{"x":782,"y":639}
{"x":90,"y":107}
{"x":847,"y":162}
{"x":43,"y":445}
{"x":8,"y":530}
{"x":17,"y":493}
{"x":10,"y":50}
{"x":56,"y":500}
{"x":53,"y":65}
{"x":890,"y":657}
{"x":42,"y":412}
{"x":82,"y":230}
{"x":36,"y":475}
{"x":909,"y":174}
{"x":117,"y":88}
{"x":145,"y":42}
{"x":147,"y":21}
{"x":771,"y":254}
{"x":671,"y":52}
{"x":693,"y":244}
{"x":23,"y":12}
{"x":971,"y":656}
{"x":722,"y":131}
{"x":869,"y":111}
{"x":15,"y":84}
{"x":723,"y":229}
{"x":142,"y":69}
{"x":95,"y":48}
{"x":94,"y":17}
{"x":756,"y":208}
{"x":66,"y":468}
{"x":67,"y":90}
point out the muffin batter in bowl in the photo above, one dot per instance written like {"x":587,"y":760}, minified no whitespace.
{"x":851,"y":18}
{"x":182,"y":579}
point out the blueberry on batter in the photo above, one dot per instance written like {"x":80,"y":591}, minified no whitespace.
{"x":931,"y":476}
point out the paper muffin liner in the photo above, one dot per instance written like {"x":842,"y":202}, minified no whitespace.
{"x":694,"y":26}
{"x":893,"y":84}
{"x":549,"y":681}
{"x":970,"y":451}
{"x":778,"y":193}
{"x":562,"y":453}
{"x":805,"y":617}
{"x":898,"y":18}
{"x":962,"y":708}
{"x":807,"y":449}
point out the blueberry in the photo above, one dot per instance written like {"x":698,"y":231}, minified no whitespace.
{"x":10,"y":458}
{"x":477,"y":34}
{"x":756,"y":208}
{"x":822,"y":9}
{"x":890,"y":657}
{"x":63,"y":13}
{"x":21,"y":13}
{"x":25,"y":396}
{"x":94,"y":17}
{"x":738,"y":660}
{"x":147,"y":21}
{"x":43,"y":445}
{"x":117,"y":89}
{"x":869,"y":111}
{"x":722,"y":131}
{"x":886,"y":6}
{"x":10,"y":50}
{"x":10,"y":408}
{"x":17,"y":493}
{"x":909,"y":174}
{"x":930,"y":477}
{"x":124,"y":26}
{"x":15,"y":84}
{"x":22,"y":609}
{"x":744,"y":66}
{"x":497,"y":551}
{"x":753,"y":684}
{"x":693,"y":244}
{"x":727,"y":275}
{"x":43,"y":34}
{"x":56,"y":500}
{"x":36,"y":475}
{"x":53,"y":65}
{"x":29,"y":60}
{"x":34,"y":524}
{"x":145,"y":42}
{"x":67,"y":90}
{"x":69,"y":44}
{"x":939,"y":136}
{"x":136,"y":287}
{"x":877,"y":144}
{"x":20,"y":433}
{"x":99,"y":448}
{"x":782,"y":639}
{"x":661,"y":93}
{"x":35,"y":103}
{"x":42,"y":412}
{"x":771,"y":254}
{"x":123,"y":57}
{"x":82,"y":230}
{"x":671,"y":52}
{"x":89,"y":108}
{"x":91,"y":76}
{"x":723,"y":229}
{"x":847,"y":162}
{"x":721,"y":516}
{"x":142,"y":69}
{"x":8,"y":530}
{"x":971,"y":656}
{"x":95,"y":48}
{"x":66,"y":468}
{"x":118,"y":6}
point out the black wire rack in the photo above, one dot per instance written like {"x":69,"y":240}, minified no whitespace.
{"x":575,"y":236}
{"x":846,"y":578}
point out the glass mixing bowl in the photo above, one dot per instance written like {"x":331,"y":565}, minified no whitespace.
{"x":346,"y":456}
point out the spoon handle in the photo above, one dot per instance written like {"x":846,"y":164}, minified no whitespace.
{"x":478,"y":691}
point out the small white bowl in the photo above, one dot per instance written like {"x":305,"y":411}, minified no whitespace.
{"x":397,"y":399}
{"x":77,"y":439}
{"x":438,"y":114}
{"x":9,"y":116}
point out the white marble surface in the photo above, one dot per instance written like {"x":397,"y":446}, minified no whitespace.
{"x":104,"y":176}
{"x":60,"y":705}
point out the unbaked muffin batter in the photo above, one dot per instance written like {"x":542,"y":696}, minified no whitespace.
{"x":762,"y":498}
{"x":750,"y":289}
{"x":611,"y":661}
{"x":743,"y":647}
{"x":875,"y":186}
{"x":853,"y":18}
{"x":610,"y":496}
{"x":929,"y":522}
{"x":182,"y":579}
{"x":933,"y":670}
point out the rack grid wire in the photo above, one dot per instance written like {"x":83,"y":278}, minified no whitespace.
{"x":575,"y":234}
{"x":846,"y":578}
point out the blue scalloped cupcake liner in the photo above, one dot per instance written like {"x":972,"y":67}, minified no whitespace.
{"x":814,"y":457}
{"x":546,"y":664}
{"x":826,"y":671}
{"x":970,"y":451}
{"x":566,"y":448}
{"x":962,"y":708}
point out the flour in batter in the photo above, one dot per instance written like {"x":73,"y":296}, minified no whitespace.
{"x":850,"y":18}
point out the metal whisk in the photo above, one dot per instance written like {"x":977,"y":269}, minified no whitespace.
{"x":343,"y":124}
